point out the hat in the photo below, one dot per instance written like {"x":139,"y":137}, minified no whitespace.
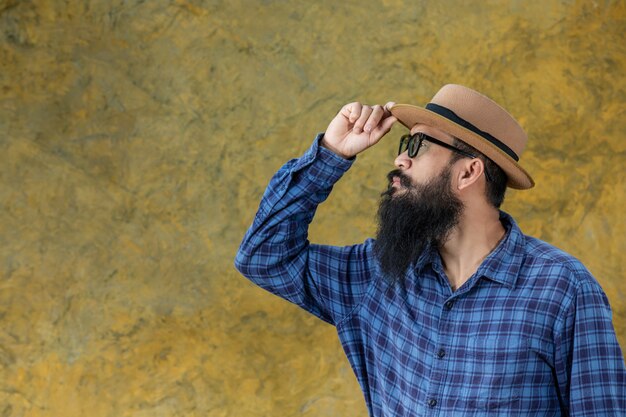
{"x":478,"y":121}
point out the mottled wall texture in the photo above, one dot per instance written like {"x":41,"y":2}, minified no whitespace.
{"x":136,"y":139}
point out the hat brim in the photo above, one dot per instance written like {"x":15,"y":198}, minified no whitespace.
{"x":410,"y":115}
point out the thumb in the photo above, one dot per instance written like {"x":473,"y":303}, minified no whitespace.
{"x":389,"y":105}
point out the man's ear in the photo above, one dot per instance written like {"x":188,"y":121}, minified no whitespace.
{"x":470,"y":171}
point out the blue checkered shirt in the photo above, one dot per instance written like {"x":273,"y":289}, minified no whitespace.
{"x":529,"y":334}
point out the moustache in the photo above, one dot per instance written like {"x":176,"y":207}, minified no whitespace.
{"x":405,"y":181}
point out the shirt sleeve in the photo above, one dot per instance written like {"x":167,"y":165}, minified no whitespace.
{"x":276,"y":255}
{"x":590,"y":367}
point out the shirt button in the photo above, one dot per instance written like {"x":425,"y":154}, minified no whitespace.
{"x":432,"y":402}
{"x":449,"y":305}
{"x":441,"y":353}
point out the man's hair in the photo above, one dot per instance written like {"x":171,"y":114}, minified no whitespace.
{"x":495,"y":188}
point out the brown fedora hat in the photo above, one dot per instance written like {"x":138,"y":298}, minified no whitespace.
{"x":478,"y":121}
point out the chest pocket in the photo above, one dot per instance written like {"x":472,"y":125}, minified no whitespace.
{"x":497,"y":372}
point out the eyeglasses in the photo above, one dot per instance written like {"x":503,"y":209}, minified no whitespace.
{"x":413,"y":143}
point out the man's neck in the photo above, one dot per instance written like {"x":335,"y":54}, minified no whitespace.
{"x":476,"y":235}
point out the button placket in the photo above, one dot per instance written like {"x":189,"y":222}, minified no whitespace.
{"x":439,"y":373}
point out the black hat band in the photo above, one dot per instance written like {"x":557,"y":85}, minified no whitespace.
{"x":450,"y":115}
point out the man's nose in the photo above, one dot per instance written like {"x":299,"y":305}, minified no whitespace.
{"x":402,"y":161}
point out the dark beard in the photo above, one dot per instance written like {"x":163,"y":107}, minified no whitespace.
{"x":408,"y":223}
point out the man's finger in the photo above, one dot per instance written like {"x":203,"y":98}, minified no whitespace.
{"x":382,"y":129}
{"x":365,"y":114}
{"x":388,"y":107}
{"x":352,"y":111}
{"x":374,"y":119}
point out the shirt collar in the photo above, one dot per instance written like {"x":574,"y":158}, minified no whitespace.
{"x":428,"y":256}
{"x":502,"y":265}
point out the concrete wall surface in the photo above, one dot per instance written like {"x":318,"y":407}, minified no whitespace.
{"x":137,"y":137}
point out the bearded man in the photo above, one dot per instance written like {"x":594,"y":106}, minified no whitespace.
{"x":451,"y":310}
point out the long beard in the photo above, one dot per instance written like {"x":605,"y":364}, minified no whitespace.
{"x":408,"y":223}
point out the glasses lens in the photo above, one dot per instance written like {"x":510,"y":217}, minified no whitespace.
{"x":414,"y":144}
{"x":404,"y":144}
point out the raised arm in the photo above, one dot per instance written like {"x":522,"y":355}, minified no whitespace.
{"x":276,"y":254}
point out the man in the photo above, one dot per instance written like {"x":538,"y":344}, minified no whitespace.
{"x":451,"y":311}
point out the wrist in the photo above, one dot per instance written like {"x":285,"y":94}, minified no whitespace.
{"x":324,"y":143}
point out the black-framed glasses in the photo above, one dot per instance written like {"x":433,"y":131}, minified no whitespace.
{"x":413,"y":143}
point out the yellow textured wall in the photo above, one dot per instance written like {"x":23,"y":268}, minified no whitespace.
{"x":136,"y":139}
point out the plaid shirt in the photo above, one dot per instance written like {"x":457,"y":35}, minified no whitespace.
{"x":529,"y":334}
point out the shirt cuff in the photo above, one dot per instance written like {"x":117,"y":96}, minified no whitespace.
{"x":324,"y":166}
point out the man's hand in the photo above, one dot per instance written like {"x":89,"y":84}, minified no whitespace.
{"x":357,"y":127}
